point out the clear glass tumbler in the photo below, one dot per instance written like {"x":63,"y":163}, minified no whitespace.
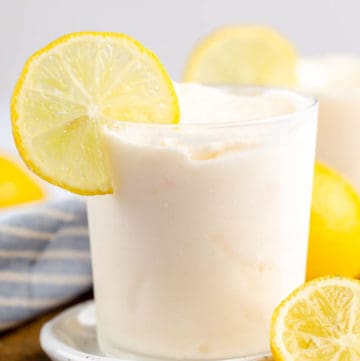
{"x":205,"y":233}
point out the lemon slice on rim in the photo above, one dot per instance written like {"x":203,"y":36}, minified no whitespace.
{"x":318,"y":321}
{"x":66,"y":91}
{"x":243,"y":55}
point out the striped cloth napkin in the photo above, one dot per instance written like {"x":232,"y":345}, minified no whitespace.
{"x":44,"y":258}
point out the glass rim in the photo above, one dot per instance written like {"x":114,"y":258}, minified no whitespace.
{"x":311,"y":103}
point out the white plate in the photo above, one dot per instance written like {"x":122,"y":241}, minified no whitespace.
{"x":71,"y":336}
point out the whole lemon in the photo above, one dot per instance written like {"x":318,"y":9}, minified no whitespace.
{"x":17,"y":186}
{"x":334,"y":241}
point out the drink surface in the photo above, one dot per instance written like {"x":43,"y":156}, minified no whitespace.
{"x":207,"y":228}
{"x":335,"y":81}
{"x":203,"y":104}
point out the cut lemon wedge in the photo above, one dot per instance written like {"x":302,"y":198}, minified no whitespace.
{"x":17,"y":186}
{"x":65,"y":93}
{"x":243,"y":55}
{"x":318,"y":321}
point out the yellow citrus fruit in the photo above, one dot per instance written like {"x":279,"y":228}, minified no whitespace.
{"x":16,"y":185}
{"x":319,"y":321}
{"x":243,"y":55}
{"x":334,"y":241}
{"x":69,"y":89}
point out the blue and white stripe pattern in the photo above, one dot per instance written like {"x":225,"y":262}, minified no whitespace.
{"x":44,"y":258}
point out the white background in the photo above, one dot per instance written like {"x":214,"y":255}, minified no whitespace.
{"x":168,"y":27}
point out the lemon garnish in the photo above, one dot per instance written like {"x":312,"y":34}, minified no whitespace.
{"x":70,"y":87}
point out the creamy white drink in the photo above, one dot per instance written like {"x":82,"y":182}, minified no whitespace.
{"x":335,"y":81}
{"x":207,"y":228}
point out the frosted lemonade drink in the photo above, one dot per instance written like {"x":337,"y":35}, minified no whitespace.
{"x":199,"y":197}
{"x":335,"y":81}
{"x":207,"y":228}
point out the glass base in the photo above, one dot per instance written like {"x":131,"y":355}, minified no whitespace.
{"x":113,"y":351}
